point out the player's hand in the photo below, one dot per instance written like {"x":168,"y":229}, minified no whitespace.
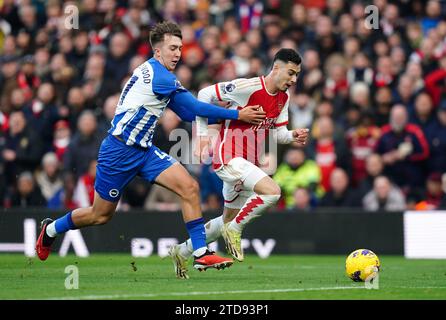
{"x":301,"y":136}
{"x":252,"y":114}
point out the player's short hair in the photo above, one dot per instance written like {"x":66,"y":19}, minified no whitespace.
{"x":288,"y":55}
{"x":166,"y":27}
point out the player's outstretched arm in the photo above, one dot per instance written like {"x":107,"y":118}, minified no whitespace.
{"x":250,"y":114}
{"x":186,"y":115}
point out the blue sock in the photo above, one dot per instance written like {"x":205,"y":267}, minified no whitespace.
{"x":65,"y":223}
{"x":197,"y":233}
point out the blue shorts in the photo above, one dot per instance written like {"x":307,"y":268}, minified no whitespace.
{"x":119,"y":163}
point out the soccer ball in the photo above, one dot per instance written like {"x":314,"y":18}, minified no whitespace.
{"x":361,"y":265}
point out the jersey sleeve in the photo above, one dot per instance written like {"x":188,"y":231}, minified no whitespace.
{"x":282,"y":119}
{"x":236,"y":91}
{"x":165,"y":84}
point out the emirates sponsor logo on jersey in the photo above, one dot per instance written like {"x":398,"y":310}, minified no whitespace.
{"x":268,"y":123}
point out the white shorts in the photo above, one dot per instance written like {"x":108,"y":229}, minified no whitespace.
{"x":239,"y":178}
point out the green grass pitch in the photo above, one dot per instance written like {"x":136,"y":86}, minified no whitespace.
{"x":119,"y":276}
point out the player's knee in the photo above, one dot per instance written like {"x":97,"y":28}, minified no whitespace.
{"x":272,"y":189}
{"x":190,"y":189}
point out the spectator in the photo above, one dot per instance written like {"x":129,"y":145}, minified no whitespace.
{"x":340,"y":194}
{"x":84,"y":190}
{"x":433,"y":195}
{"x":210,"y":187}
{"x":374,"y":167}
{"x":328,"y":152}
{"x":62,"y":138}
{"x":302,"y":200}
{"x":404,"y":149}
{"x":297,"y":172}
{"x":118,"y":60}
{"x":162,"y":199}
{"x":48,"y":179}
{"x":84,"y":145}
{"x":301,"y":110}
{"x":442,"y":205}
{"x":9,"y":68}
{"x":384,"y":196}
{"x":23,"y":148}
{"x":27,"y":194}
{"x":437,"y":142}
{"x":42,"y":114}
{"x":361,"y":140}
{"x":63,"y":198}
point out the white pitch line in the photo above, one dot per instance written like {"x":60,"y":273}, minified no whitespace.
{"x":197,"y":293}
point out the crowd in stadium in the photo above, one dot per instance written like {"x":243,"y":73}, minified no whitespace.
{"x":374,"y":96}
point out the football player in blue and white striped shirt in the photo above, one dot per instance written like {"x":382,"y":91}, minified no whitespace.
{"x":128,"y":151}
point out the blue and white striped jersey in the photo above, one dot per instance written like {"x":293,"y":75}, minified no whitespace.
{"x":142,"y":102}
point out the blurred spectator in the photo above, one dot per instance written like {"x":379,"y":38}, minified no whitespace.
{"x":435,"y":81}
{"x":301,"y":110}
{"x":442,"y":205}
{"x":98,"y":85}
{"x":432,"y":198}
{"x":405,"y":93}
{"x":9,"y":67}
{"x":297,"y":172}
{"x":162,"y":199}
{"x":48,"y":179}
{"x":374,"y":167}
{"x":42,"y":114}
{"x":211,"y":187}
{"x":328,"y":152}
{"x":62,"y":138}
{"x":302,"y":200}
{"x":384,"y":196}
{"x":27,"y":79}
{"x":23,"y":148}
{"x":437,"y":142}
{"x":340,"y":194}
{"x":383,"y":104}
{"x":118,"y":60}
{"x":84,"y":145}
{"x":27,"y":194}
{"x":361,"y":141}
{"x":63,"y":198}
{"x":433,"y":14}
{"x":404,"y":149}
{"x":424,"y":115}
{"x":108,"y":112}
{"x":249,"y":14}
{"x":360,"y":70}
{"x":84,"y":190}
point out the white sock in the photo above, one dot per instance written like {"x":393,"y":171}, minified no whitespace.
{"x":253,"y":208}
{"x":213,"y":232}
{"x":199,"y":252}
{"x":51,"y":229}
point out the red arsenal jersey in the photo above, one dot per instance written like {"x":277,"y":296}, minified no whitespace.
{"x":241,"y":139}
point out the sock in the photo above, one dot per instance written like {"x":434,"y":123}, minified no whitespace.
{"x":51,"y":230}
{"x":213,"y":232}
{"x":63,"y":224}
{"x":253,"y":208}
{"x":197,"y":236}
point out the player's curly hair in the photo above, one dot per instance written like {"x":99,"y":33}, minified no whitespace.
{"x":160,"y":29}
{"x":288,"y":55}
